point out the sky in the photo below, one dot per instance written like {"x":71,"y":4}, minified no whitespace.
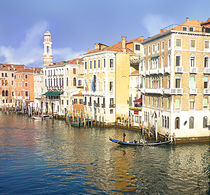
{"x":75,"y":25}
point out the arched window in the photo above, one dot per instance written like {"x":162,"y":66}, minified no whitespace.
{"x":168,"y":122}
{"x":67,"y":81}
{"x":162,"y":121}
{"x":192,"y":61}
{"x":165,"y":122}
{"x":74,"y":81}
{"x":2,"y":92}
{"x":177,"y":123}
{"x":206,"y":62}
{"x":6,"y":93}
{"x":205,"y":120}
{"x":191,"y":122}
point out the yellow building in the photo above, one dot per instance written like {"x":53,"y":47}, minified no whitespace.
{"x":176,"y":79}
{"x":106,"y":79}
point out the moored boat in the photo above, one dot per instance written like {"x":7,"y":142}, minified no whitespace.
{"x":141,"y":143}
{"x":76,"y":124}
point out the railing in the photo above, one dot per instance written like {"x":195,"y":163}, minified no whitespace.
{"x":206,"y":91}
{"x":178,"y":69}
{"x":193,"y":70}
{"x":177,"y":91}
{"x":206,"y":70}
{"x":135,"y":60}
{"x":154,"y":90}
{"x":193,"y":91}
{"x":154,"y":71}
{"x":167,"y":69}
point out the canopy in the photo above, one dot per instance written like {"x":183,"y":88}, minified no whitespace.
{"x":154,"y":57}
{"x":53,"y":93}
{"x":138,"y":100}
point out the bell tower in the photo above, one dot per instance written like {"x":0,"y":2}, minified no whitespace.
{"x":47,"y":49}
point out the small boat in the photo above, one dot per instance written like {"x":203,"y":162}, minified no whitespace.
{"x":76,"y":124}
{"x":40,"y":117}
{"x":141,"y":143}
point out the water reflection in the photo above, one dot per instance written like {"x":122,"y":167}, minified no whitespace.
{"x":53,"y":157}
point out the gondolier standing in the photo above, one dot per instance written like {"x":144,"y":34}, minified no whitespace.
{"x":124,"y":135}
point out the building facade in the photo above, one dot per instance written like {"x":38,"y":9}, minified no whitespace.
{"x":175,"y":71}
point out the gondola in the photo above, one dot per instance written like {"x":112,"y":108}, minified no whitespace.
{"x":76,"y":124}
{"x":135,"y":143}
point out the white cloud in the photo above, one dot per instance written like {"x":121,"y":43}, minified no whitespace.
{"x":153,"y":23}
{"x":30,"y":51}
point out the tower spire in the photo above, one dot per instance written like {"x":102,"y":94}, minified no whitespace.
{"x":47,"y":49}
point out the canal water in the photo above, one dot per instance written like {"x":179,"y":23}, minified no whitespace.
{"x":50,"y":157}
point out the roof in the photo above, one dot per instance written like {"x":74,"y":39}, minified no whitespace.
{"x":78,"y":94}
{"x":117,"y":46}
{"x":135,"y":72}
{"x":73,"y":61}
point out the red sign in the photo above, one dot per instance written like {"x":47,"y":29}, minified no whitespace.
{"x":136,"y":112}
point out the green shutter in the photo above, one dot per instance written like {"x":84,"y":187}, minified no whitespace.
{"x":206,"y":79}
{"x":205,"y":102}
{"x":177,"y":103}
{"x":192,"y":82}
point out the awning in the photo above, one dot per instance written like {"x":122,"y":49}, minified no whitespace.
{"x":138,"y":100}
{"x":154,"y":57}
{"x":53,"y":93}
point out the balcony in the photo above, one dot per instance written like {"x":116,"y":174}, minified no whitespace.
{"x":112,"y":105}
{"x":154,"y":90}
{"x":134,"y":60}
{"x":160,"y":70}
{"x":167,"y":69}
{"x":103,"y":105}
{"x":154,"y":71}
{"x":167,"y":91}
{"x":206,"y":70}
{"x":206,"y":91}
{"x":89,"y":104}
{"x":177,"y":91}
{"x":193,"y":70}
{"x":147,"y":72}
{"x":142,"y":72}
{"x":97,"y":105}
{"x":193,"y":91}
{"x":178,"y":69}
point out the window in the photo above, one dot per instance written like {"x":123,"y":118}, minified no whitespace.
{"x":178,"y":60}
{"x":111,"y":86}
{"x":85,"y":65}
{"x":99,"y":63}
{"x":205,"y":82}
{"x":79,"y":82}
{"x":169,"y":60}
{"x":169,"y":43}
{"x":206,"y":44}
{"x":26,"y":76}
{"x":94,"y":64}
{"x":104,"y":63}
{"x":169,"y":103}
{"x":67,"y":102}
{"x":75,"y":101}
{"x":178,"y":82}
{"x":205,"y":121}
{"x":177,"y":123}
{"x":153,"y":48}
{"x":162,"y":61}
{"x":163,"y":45}
{"x":26,"y":84}
{"x":111,"y":64}
{"x":177,"y":103}
{"x":192,"y":103}
{"x":192,"y":61}
{"x":191,"y":29}
{"x":85,"y":102}
{"x":192,"y":82}
{"x":67,"y":82}
{"x":137,"y":47}
{"x":149,"y":50}
{"x":206,"y":62}
{"x":205,"y":102}
{"x":192,"y":44}
{"x":74,"y":81}
{"x":158,"y":47}
{"x":80,"y":101}
{"x":178,"y":43}
{"x":74,"y":70}
{"x":90,"y":64}
{"x":184,"y":28}
{"x":191,"y":122}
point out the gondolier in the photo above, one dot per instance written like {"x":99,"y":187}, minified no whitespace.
{"x":124,"y":135}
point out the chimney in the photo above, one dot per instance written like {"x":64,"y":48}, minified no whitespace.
{"x":96,"y":45}
{"x":124,"y":43}
{"x":88,"y":50}
{"x":187,"y":19}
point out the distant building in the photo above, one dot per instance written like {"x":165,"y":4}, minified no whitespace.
{"x":175,"y":71}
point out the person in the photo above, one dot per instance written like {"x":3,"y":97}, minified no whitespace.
{"x":124,"y":137}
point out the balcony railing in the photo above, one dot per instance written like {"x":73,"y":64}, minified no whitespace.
{"x":154,"y":90}
{"x":193,"y":70}
{"x":167,"y":69}
{"x":206,"y":91}
{"x":177,"y":91}
{"x":154,"y":71}
{"x":178,"y":69}
{"x":135,"y":60}
{"x":206,"y":70}
{"x":193,"y":91}
{"x":167,"y":91}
